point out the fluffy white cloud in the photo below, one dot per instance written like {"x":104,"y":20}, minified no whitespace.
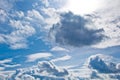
{"x":35,"y":56}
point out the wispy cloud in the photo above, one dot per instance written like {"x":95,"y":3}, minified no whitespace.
{"x":35,"y":56}
{"x":64,"y":58}
{"x":10,"y":65}
{"x":5,"y":61}
{"x":57,"y":48}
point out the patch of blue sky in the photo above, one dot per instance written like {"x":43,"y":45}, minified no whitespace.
{"x":24,"y":5}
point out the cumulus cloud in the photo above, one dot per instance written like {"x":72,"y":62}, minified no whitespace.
{"x":43,"y":70}
{"x":72,"y":30}
{"x":99,"y":63}
{"x":49,"y":71}
{"x":23,"y":24}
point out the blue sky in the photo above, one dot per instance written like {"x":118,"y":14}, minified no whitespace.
{"x":55,"y":31}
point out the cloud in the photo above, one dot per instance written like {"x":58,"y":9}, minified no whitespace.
{"x":3,"y":16}
{"x":10,"y":66}
{"x":108,"y":19}
{"x":36,"y":56}
{"x":5,"y":64}
{"x":72,"y":30}
{"x":6,"y":4}
{"x":57,"y":48}
{"x":18,"y":38}
{"x":49,"y":71}
{"x":64,"y":58}
{"x":19,"y":32}
{"x":5,"y":61}
{"x":34,"y":15}
{"x":98,"y":62}
{"x":20,"y":25}
{"x":43,"y":70}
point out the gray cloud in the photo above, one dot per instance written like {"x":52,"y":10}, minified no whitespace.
{"x":72,"y":30}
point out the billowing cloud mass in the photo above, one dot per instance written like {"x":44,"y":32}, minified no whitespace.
{"x":98,"y":67}
{"x":72,"y":30}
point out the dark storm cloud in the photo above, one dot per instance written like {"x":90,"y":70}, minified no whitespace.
{"x":72,"y":31}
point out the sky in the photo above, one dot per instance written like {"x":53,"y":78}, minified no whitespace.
{"x":65,"y":32}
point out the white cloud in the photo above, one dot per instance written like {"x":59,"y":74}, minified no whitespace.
{"x":64,"y":58}
{"x":57,"y":48}
{"x":18,"y":37}
{"x":3,"y":15}
{"x":6,"y":4}
{"x":2,"y":40}
{"x":34,"y":15}
{"x":35,"y":56}
{"x":5,"y":61}
{"x":4,"y":64}
{"x":48,"y":70}
{"x":82,"y":7}
{"x":20,"y":14}
{"x":10,"y":66}
{"x":108,"y":19}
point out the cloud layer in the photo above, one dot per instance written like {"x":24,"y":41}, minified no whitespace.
{"x":49,"y":71}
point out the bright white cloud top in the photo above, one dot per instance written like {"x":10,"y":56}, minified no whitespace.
{"x":83,"y":6}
